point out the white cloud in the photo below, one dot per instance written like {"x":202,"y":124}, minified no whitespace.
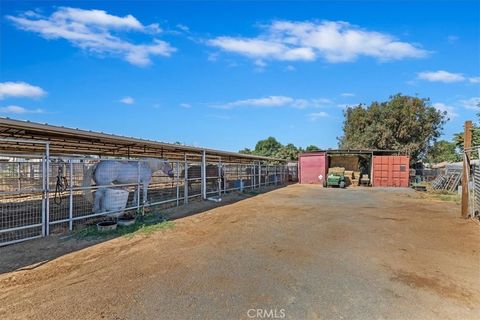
{"x":334,"y":41}
{"x":127,"y":100}
{"x":314,"y":116}
{"x":441,"y":76}
{"x":99,"y":18}
{"x":261,"y":49}
{"x":348,"y":105}
{"x":260,"y":63}
{"x":185,"y":105}
{"x":20,"y":89}
{"x":472,"y":103}
{"x":451,"y":111}
{"x":347,"y":94}
{"x":96,"y":31}
{"x":183,"y":27}
{"x":452,"y":39}
{"x":13,"y":109}
{"x":271,"y":101}
{"x":474,"y":79}
{"x":276,"y":101}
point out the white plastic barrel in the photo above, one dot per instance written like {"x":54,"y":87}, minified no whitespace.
{"x":115,"y":200}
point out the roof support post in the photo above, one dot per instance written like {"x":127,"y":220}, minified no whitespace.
{"x":204,"y":175}
{"x":185,"y":180}
{"x":47,"y":189}
{"x":259,"y":174}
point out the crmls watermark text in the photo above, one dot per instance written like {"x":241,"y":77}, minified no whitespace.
{"x":266,"y":313}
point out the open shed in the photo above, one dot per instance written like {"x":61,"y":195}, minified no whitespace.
{"x":382,"y":168}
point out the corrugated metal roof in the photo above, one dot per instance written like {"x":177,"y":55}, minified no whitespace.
{"x":64,"y":140}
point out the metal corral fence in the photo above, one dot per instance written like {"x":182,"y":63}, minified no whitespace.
{"x":40,"y":194}
{"x":474,"y":181}
{"x":292,"y":171}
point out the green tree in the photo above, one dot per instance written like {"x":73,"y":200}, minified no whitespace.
{"x":246,"y":151}
{"x":404,"y":123}
{"x":288,"y":152}
{"x":443,"y":151}
{"x":311,"y":148}
{"x":268,"y":147}
{"x":458,"y":137}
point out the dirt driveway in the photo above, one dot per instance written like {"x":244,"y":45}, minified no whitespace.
{"x":302,"y":252}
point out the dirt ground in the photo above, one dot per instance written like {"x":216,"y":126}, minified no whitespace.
{"x":301,"y":251}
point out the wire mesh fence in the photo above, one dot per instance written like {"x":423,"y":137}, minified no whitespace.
{"x":292,"y":171}
{"x":476,"y":191}
{"x":22,"y":195}
{"x":473,"y":180}
{"x":40,"y":195}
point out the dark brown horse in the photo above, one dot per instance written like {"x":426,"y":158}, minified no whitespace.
{"x":212,"y":171}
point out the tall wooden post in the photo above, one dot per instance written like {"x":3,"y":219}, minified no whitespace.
{"x":467,"y":144}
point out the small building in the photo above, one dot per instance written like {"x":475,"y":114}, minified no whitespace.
{"x":377,"y":168}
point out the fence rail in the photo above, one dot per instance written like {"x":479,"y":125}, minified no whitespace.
{"x":40,"y":194}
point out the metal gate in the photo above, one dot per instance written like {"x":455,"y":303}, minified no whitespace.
{"x":476,"y":191}
{"x":474,"y":181}
{"x":23,"y":196}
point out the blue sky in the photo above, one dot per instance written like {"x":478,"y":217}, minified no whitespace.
{"x":224,"y":75}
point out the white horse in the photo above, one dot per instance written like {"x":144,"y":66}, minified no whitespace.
{"x":111,"y":172}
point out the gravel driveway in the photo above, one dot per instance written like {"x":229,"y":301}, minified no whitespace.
{"x":299,"y":252}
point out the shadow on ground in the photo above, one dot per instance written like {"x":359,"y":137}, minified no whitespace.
{"x":32,"y":254}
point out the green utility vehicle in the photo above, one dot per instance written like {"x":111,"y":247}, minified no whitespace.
{"x":336,"y":178}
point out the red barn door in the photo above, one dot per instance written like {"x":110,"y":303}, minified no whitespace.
{"x":312,"y":167}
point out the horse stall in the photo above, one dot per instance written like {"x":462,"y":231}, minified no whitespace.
{"x":53,"y":179}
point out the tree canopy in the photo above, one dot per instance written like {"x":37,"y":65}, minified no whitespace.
{"x":311,"y":148}
{"x":458,"y":137}
{"x":402,"y":123}
{"x":271,"y":147}
{"x":268,"y":147}
{"x":443,"y":151}
{"x":288,"y":152}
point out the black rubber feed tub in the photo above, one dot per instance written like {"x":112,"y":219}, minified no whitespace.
{"x":105,"y":226}
{"x":126,"y":221}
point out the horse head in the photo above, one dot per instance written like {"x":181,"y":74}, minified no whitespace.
{"x":160,"y":164}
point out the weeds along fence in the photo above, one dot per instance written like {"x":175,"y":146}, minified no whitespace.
{"x":40,"y":195}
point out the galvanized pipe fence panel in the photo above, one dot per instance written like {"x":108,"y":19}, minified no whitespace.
{"x":474,"y":182}
{"x":23,"y":190}
{"x":40,"y":194}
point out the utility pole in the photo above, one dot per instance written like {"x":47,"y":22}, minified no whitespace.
{"x":467,"y":144}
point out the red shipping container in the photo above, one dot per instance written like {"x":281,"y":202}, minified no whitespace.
{"x":312,"y":167}
{"x":391,"y":171}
